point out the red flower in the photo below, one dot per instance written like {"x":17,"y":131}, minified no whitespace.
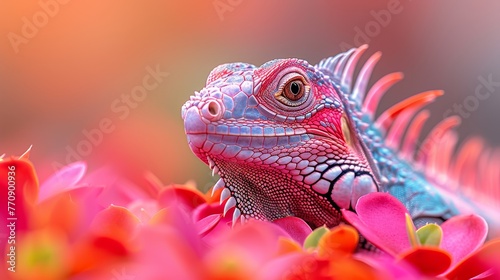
{"x":434,"y":250}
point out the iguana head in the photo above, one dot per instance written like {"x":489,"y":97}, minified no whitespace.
{"x":283,"y":140}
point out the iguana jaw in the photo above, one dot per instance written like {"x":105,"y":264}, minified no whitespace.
{"x":266,"y":194}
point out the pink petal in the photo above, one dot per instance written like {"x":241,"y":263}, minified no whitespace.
{"x":381,"y":219}
{"x":175,"y":217}
{"x":103,"y":176}
{"x":224,"y":224}
{"x":181,"y":196}
{"x":164,"y":251}
{"x":257,"y":239}
{"x":282,"y":266}
{"x":367,"y":233}
{"x":85,"y":197}
{"x":463,"y":235}
{"x":117,"y":190}
{"x":482,"y":264}
{"x":207,"y":224}
{"x":207,"y":209}
{"x":65,"y":179}
{"x":296,"y":227}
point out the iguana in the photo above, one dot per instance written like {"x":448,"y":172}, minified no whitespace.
{"x":292,"y":139}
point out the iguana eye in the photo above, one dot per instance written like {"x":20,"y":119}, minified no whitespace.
{"x":292,"y":91}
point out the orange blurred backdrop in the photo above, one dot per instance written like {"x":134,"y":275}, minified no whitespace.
{"x":71,"y":71}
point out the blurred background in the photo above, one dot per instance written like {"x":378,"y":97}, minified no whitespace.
{"x":72,"y":73}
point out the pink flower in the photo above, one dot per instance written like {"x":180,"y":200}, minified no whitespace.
{"x":101,"y":226}
{"x":211,"y":223}
{"x":433,"y":250}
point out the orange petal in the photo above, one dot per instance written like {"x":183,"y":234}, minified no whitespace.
{"x":60,"y":212}
{"x":115,"y":222}
{"x":429,"y":261}
{"x":109,"y":240}
{"x":160,"y":217}
{"x":353,"y":269}
{"x":286,"y":246}
{"x":213,"y":198}
{"x":338,"y":242}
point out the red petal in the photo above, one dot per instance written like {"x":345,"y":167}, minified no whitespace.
{"x":110,"y":245}
{"x":485,"y":259}
{"x":23,"y":175}
{"x":428,"y":260}
{"x":97,"y":252}
{"x":18,"y":195}
{"x":189,"y":198}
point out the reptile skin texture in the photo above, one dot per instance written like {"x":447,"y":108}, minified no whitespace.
{"x":293,"y":139}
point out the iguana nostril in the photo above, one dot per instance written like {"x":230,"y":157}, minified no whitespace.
{"x":212,"y":110}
